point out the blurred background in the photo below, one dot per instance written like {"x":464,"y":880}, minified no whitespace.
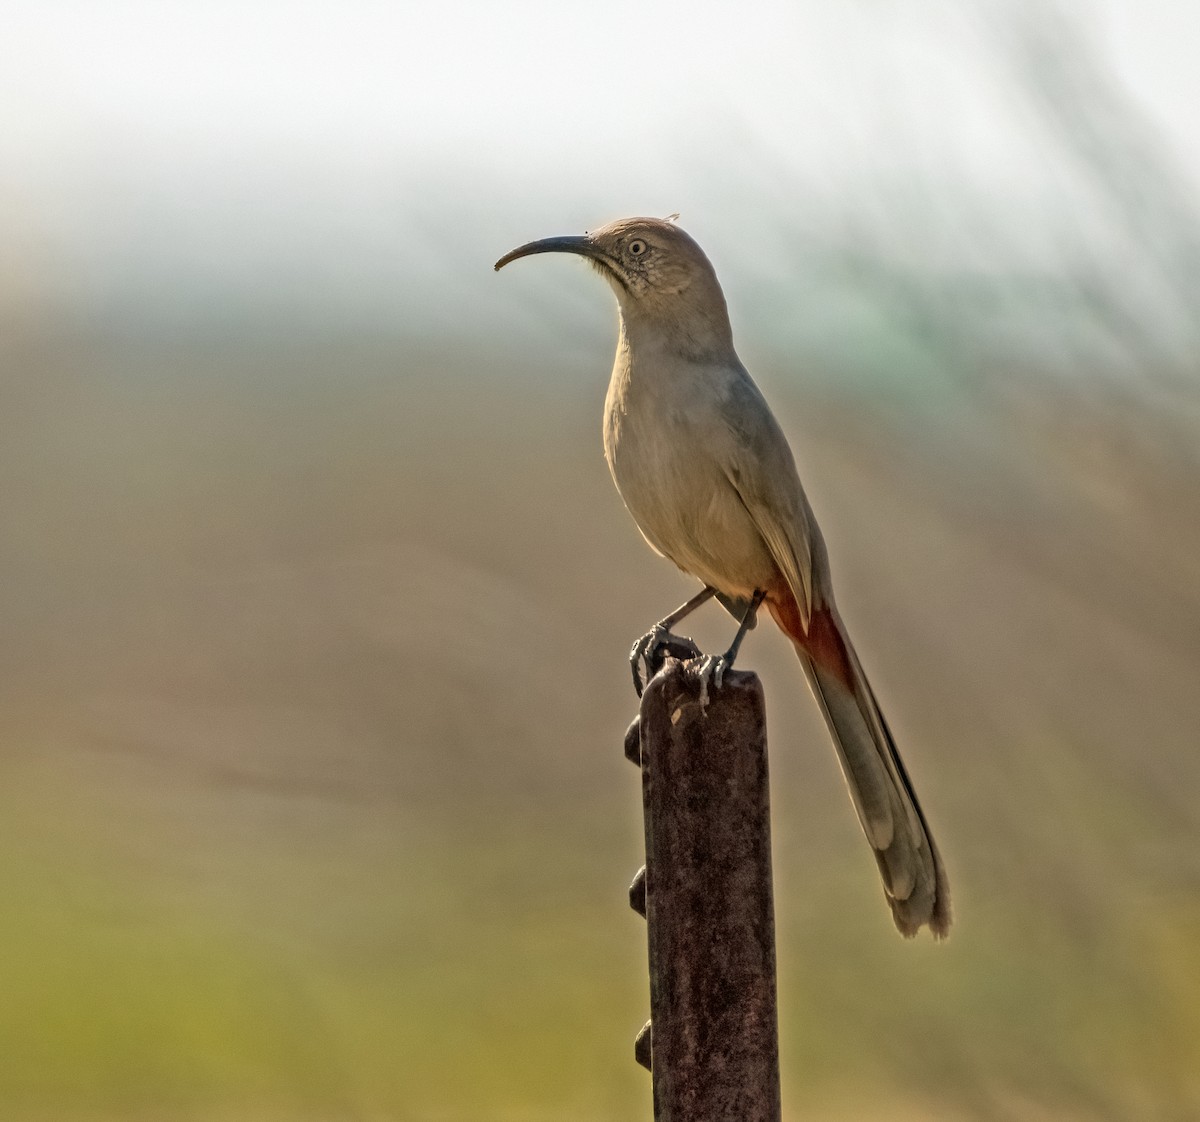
{"x":315,"y":594}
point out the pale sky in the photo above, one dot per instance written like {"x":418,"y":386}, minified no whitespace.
{"x":219,"y":152}
{"x":529,"y":77}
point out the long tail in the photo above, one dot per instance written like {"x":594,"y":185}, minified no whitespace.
{"x":914,"y":879}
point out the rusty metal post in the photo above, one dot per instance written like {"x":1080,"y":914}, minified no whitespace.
{"x":706,"y":893}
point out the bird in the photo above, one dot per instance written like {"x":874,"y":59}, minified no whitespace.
{"x":707,"y":474}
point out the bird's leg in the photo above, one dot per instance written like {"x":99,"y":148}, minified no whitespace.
{"x":716,"y":665}
{"x":644,"y":647}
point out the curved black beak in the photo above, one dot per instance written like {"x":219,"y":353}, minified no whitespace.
{"x":571,"y":243}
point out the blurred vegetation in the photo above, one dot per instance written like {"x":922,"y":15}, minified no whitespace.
{"x":309,"y":806}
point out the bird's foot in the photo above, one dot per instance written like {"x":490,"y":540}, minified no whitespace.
{"x":712,"y":670}
{"x":642,"y":655}
{"x":652,"y":649}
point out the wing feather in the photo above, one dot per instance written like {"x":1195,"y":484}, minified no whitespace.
{"x":759,"y":466}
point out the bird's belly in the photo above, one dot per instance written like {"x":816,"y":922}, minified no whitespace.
{"x":688,"y":511}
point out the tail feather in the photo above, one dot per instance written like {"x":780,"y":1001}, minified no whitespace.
{"x":914,"y":878}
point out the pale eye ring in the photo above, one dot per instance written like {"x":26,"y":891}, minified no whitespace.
{"x":637,"y":247}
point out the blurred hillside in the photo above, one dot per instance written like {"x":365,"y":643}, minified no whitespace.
{"x":313,"y":797}
{"x":316,"y":594}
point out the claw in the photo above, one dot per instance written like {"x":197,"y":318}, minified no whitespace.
{"x":714,"y":666}
{"x":641,"y":652}
{"x":711,"y":669}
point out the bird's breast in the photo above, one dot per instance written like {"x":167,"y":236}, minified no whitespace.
{"x":663,"y":443}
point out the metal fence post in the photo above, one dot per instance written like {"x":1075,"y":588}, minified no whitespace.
{"x":712,"y":1041}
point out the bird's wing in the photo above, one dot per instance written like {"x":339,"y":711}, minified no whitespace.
{"x":759,"y":465}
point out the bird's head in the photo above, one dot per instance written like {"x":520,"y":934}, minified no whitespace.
{"x":662,"y":278}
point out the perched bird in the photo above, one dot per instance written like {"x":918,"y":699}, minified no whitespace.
{"x":708,"y":476}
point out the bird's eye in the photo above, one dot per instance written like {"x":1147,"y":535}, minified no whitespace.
{"x":637,"y":247}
